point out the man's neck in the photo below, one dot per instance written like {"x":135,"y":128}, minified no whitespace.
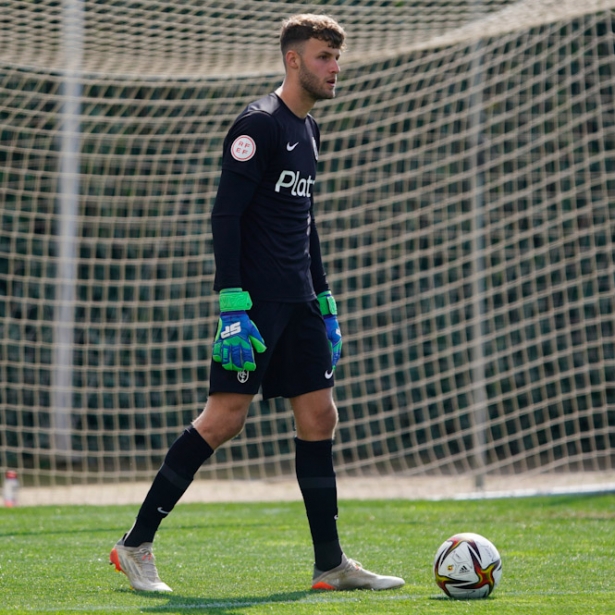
{"x":295,"y":100}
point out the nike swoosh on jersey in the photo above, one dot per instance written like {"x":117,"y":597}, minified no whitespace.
{"x":329,"y":374}
{"x":290,"y":147}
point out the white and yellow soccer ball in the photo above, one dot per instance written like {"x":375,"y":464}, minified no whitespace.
{"x":467,"y":566}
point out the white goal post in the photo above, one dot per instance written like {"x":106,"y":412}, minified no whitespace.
{"x":466,"y":208}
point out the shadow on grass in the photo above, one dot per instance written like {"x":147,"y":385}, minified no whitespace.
{"x":167,"y":603}
{"x":452,"y":600}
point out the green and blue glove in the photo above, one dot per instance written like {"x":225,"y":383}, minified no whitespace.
{"x":237,"y":336}
{"x":328,"y":309}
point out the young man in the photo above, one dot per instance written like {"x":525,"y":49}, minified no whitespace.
{"x":278,"y":328}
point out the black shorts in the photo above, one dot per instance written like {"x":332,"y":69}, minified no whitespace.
{"x":297,"y":359}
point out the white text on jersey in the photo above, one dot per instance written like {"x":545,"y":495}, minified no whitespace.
{"x":299,"y":186}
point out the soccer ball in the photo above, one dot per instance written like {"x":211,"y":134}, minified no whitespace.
{"x":467,"y":566}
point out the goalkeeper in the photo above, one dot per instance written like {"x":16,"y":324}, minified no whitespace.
{"x":278,"y":329}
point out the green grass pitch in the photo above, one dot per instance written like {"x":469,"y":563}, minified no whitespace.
{"x":255,"y":559}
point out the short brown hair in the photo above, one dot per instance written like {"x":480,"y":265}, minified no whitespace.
{"x":301,"y":28}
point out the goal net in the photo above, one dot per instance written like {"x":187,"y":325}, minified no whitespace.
{"x":465,"y":203}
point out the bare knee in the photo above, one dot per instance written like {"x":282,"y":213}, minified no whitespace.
{"x":327,"y":417}
{"x":315,"y":416}
{"x":222,"y":418}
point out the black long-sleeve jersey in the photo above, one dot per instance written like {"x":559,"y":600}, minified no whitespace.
{"x":265,"y":238}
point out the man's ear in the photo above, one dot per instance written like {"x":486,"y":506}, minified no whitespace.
{"x":292,"y":59}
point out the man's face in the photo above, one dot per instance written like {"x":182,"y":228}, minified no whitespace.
{"x":318,"y":70}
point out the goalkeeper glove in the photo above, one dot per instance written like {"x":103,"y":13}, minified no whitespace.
{"x":328,"y":309}
{"x":237,"y":336}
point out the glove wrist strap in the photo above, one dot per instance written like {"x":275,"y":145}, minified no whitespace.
{"x":235,"y":300}
{"x":327,"y":304}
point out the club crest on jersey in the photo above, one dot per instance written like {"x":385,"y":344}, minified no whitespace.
{"x":315,"y":148}
{"x":243,"y":148}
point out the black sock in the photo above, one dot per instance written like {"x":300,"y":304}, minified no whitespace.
{"x":181,"y":463}
{"x":316,"y":477}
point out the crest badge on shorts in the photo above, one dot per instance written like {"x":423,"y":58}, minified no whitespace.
{"x":243,"y":376}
